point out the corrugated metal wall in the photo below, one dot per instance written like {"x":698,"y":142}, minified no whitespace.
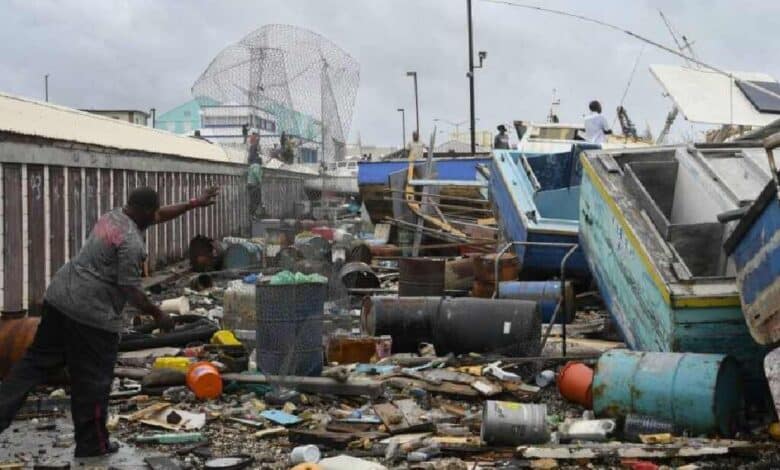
{"x":52,"y":194}
{"x":281,"y":190}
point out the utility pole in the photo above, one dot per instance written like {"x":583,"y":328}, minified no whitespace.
{"x":46,"y":87}
{"x":403,"y":127}
{"x":482,"y":56}
{"x":471,"y":81}
{"x":416,"y":101}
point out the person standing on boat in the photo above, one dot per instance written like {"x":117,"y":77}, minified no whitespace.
{"x":596,"y":126}
{"x":502,"y":138}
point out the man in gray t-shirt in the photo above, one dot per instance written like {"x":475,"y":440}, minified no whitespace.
{"x":82,"y":317}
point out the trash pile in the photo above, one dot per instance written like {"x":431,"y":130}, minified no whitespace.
{"x":299,"y":361}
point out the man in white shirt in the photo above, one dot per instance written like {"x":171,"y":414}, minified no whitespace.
{"x":596,"y":127}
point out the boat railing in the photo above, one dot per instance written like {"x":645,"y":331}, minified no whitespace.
{"x":561,"y":305}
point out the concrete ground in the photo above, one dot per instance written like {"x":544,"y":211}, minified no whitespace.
{"x":24,"y":442}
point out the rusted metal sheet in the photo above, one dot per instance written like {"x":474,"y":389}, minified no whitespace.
{"x":12,"y":241}
{"x":75,"y":228}
{"x":420,"y":277}
{"x":119,"y":188}
{"x":485,"y":275}
{"x":90,"y":199}
{"x":57,"y":237}
{"x":458,"y":274}
{"x":36,"y":246}
{"x":104,"y":192}
{"x":168,"y":226}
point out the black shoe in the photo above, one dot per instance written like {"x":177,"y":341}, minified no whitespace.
{"x":111,"y":448}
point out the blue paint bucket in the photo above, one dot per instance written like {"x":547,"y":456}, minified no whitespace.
{"x":700,"y":393}
{"x":545,"y":293}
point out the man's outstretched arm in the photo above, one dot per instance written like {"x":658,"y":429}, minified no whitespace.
{"x":172,"y":211}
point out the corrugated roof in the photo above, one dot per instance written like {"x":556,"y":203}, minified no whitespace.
{"x":35,"y":118}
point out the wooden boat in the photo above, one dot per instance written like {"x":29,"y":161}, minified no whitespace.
{"x":373,"y":181}
{"x":649,"y":229}
{"x":755,"y":247}
{"x":536,"y":199}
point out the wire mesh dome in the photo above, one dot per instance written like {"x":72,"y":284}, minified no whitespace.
{"x":304,"y":80}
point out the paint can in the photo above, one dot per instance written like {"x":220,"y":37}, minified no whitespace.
{"x":510,"y":424}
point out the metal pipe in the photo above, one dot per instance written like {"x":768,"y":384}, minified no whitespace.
{"x":403,"y":127}
{"x":572,"y":248}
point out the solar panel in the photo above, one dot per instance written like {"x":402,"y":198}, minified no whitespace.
{"x":761,"y":100}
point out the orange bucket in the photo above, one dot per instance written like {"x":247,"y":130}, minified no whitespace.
{"x":574,"y":383}
{"x":204,"y":380}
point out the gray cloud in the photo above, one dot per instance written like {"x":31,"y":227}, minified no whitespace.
{"x":143,"y":54}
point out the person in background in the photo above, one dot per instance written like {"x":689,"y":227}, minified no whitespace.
{"x":244,"y":132}
{"x":254,"y":148}
{"x":254,"y":188}
{"x":502,"y":138}
{"x":82,"y":317}
{"x":596,"y":127}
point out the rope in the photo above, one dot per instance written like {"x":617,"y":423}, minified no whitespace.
{"x":639,"y":37}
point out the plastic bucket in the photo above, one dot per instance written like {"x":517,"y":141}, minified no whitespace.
{"x":204,"y":380}
{"x":575,"y":383}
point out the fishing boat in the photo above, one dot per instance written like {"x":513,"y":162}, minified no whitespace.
{"x":374,"y":176}
{"x":650,"y":231}
{"x":755,"y":247}
{"x":536,"y":199}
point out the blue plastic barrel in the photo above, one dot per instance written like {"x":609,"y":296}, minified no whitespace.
{"x":700,"y":393}
{"x":241,"y":253}
{"x":545,"y":293}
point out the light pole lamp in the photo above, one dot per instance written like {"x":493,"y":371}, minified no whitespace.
{"x":416,"y":102}
{"x":482,"y":57}
{"x":403,"y":127}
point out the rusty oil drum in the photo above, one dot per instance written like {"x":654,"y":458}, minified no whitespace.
{"x":16,"y":335}
{"x":485,"y":275}
{"x":421,"y":277}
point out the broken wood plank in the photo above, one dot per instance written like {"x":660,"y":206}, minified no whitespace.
{"x":446,"y":388}
{"x":335,"y":440}
{"x":682,"y":448}
{"x":314,"y":385}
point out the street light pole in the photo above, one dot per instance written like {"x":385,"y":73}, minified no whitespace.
{"x":416,"y":101}
{"x":46,"y":87}
{"x":403,"y":127}
{"x":471,"y":81}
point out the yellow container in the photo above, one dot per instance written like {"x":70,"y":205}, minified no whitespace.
{"x":177,"y":363}
{"x":225,"y":338}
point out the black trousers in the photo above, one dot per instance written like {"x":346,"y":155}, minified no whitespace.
{"x":89,"y":354}
{"x":255,"y":199}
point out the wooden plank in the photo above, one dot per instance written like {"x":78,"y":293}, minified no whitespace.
{"x":75,"y":227}
{"x":189,"y":227}
{"x":90,"y":199}
{"x":36,"y":247}
{"x":104,"y":194}
{"x":119,"y":188}
{"x":57,"y":237}
{"x":198,"y":215}
{"x":12,"y":241}
{"x":148,"y":179}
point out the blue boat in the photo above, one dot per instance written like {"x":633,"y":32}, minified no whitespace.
{"x":650,"y":231}
{"x":373,"y":179}
{"x":536,"y":199}
{"x":755,"y":247}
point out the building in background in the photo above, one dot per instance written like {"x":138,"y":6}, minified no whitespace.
{"x":132,"y":116}
{"x":183,"y":119}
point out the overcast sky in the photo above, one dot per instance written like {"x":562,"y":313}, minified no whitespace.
{"x":143,"y":54}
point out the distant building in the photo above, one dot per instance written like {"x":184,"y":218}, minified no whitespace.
{"x":183,"y":119}
{"x":132,"y":116}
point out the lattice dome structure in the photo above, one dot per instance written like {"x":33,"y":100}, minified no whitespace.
{"x":304,"y":80}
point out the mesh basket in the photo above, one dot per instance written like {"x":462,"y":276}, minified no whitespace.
{"x":289,"y":328}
